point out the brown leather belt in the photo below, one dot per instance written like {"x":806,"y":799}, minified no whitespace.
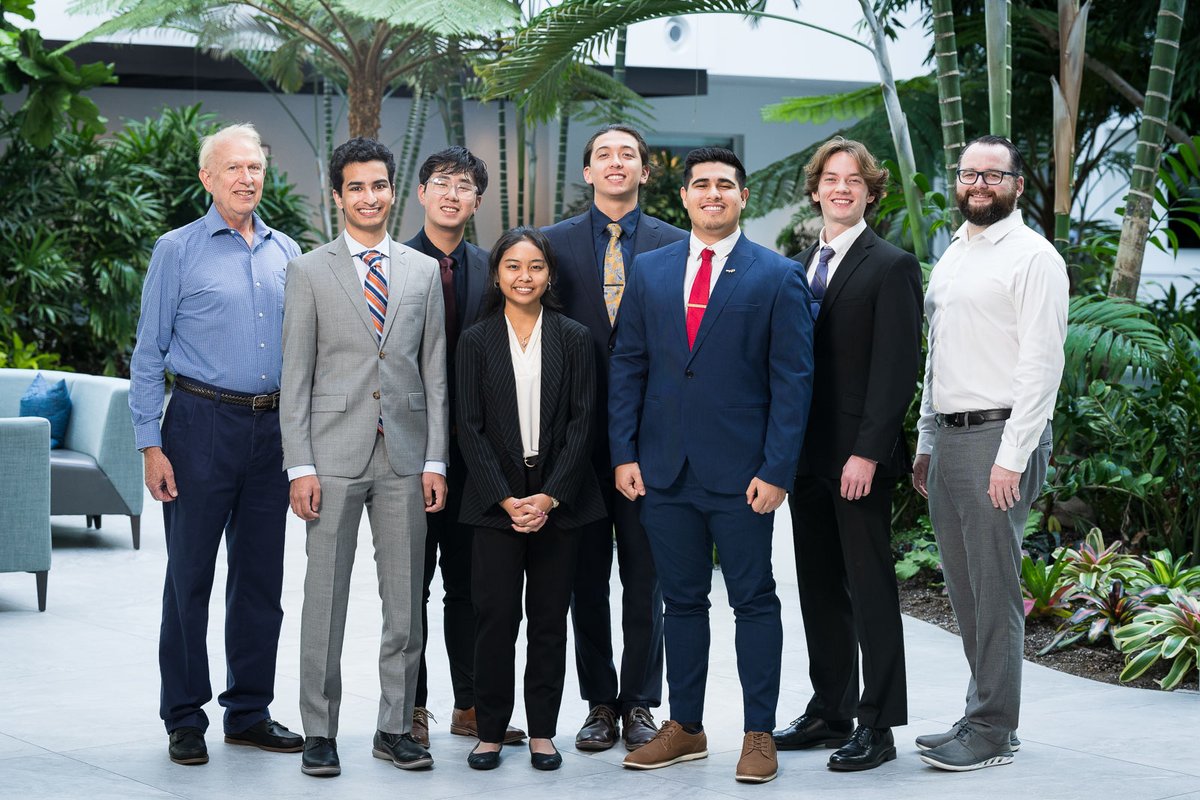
{"x":965,"y":419}
{"x":257,"y":402}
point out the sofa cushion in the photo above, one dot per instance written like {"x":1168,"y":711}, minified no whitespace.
{"x":49,"y":401}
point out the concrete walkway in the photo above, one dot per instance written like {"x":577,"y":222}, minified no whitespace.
{"x":79,"y":698}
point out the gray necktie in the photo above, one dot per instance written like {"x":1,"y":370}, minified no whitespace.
{"x":821,"y":279}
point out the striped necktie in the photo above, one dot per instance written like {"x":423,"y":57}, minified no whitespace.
{"x":821,"y":279}
{"x":375,"y":288}
{"x":614,"y":272}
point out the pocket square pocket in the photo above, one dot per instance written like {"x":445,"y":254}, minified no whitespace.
{"x":412,"y":297}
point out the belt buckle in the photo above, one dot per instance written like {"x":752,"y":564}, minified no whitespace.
{"x":528,"y":465}
{"x":263,"y":402}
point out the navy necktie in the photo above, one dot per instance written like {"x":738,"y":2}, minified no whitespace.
{"x":821,"y":279}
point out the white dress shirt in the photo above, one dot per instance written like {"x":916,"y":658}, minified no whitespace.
{"x":720,"y":250}
{"x":527,"y":373}
{"x":997,"y":309}
{"x":356,"y":250}
{"x":840,"y":244}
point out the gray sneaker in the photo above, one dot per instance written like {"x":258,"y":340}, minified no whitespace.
{"x":932,"y":740}
{"x":967,"y":751}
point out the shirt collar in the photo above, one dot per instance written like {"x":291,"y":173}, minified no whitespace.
{"x":357,"y":247}
{"x":430,"y":249}
{"x":721,"y":249}
{"x":214,"y":223}
{"x":997,"y":230}
{"x":842,"y":242}
{"x":628,"y":223}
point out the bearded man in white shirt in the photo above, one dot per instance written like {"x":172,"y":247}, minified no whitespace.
{"x":997,"y":310}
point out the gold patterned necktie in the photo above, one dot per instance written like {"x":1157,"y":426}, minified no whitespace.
{"x":614,"y":272}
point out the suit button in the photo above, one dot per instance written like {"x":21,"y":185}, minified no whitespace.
{"x":690,"y":374}
{"x":382,"y":354}
{"x":375,"y":394}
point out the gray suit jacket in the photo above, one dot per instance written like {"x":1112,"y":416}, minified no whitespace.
{"x":337,"y":379}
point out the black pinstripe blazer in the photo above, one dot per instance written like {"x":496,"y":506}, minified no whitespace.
{"x":489,"y":431}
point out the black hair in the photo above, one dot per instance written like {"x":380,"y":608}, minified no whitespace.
{"x":1014,"y":155}
{"x":359,"y":150}
{"x":456,"y":160}
{"x":720,"y":155}
{"x":493,"y":300}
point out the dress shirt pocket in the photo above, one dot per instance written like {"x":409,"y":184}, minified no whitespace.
{"x":416,"y":401}
{"x":412,"y":297}
{"x":328,"y":402}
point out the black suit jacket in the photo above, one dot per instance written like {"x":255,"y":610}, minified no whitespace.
{"x":580,"y":287}
{"x":867,"y":350}
{"x":489,"y":431}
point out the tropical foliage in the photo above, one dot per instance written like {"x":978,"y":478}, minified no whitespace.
{"x":1171,"y":632}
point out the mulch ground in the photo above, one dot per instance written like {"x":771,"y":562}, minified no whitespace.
{"x":1098,"y":663}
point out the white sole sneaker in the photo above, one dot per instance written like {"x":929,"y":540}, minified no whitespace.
{"x":668,"y":762}
{"x":993,"y":761}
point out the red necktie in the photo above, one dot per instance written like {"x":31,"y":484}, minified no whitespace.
{"x":698,"y":298}
{"x":447,"y":265}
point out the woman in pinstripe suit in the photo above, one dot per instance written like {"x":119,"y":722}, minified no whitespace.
{"x":526,"y":386}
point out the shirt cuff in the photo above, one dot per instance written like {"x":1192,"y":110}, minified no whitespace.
{"x":302,"y":471}
{"x":1011,"y":458}
{"x":148,"y":434}
{"x":435,"y":466}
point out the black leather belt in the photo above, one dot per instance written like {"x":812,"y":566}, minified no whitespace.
{"x":257,"y":402}
{"x":965,"y":419}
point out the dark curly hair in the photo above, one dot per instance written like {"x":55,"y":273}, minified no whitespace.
{"x":359,"y":150}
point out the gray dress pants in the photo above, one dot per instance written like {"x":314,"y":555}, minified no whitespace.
{"x":981,"y":559}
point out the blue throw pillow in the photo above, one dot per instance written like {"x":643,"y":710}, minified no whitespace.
{"x":51,"y":401}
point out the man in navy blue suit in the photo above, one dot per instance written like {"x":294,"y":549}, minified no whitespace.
{"x":593,"y":250}
{"x":711,"y":380}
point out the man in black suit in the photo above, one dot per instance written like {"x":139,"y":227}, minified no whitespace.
{"x":867,"y":346}
{"x":452,"y":183}
{"x":595,"y":250}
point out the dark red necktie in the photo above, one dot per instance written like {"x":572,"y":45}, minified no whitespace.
{"x":698,"y":298}
{"x":447,"y":265}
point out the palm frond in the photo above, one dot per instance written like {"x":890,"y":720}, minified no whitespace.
{"x":580,"y":29}
{"x":468,"y":18}
{"x":1106,"y":336}
{"x":819,"y":109}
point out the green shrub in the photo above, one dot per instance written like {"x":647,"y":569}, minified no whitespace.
{"x":1044,"y":590}
{"x":1102,"y":612}
{"x":1170,"y":631}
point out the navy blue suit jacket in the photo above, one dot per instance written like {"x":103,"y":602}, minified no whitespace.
{"x":735,"y":406}
{"x":580,"y":287}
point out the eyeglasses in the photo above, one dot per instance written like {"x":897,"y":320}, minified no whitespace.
{"x":442,"y":188}
{"x":991,"y":177}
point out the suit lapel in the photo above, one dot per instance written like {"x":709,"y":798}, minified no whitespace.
{"x":476,"y":278}
{"x":854,"y":258}
{"x":397,"y":279}
{"x":647,"y":238}
{"x":584,"y":254}
{"x":504,"y":384}
{"x":342,"y":265}
{"x":552,"y":367}
{"x":739,"y":262}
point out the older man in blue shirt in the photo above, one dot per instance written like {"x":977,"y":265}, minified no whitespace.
{"x":212,"y":315}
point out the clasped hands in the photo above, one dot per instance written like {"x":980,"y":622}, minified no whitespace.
{"x":528,"y":514}
{"x":761,"y":496}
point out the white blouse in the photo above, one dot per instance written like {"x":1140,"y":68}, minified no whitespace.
{"x":527,"y":374}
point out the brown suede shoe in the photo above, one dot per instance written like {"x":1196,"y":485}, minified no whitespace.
{"x":463,"y":723}
{"x":671,"y":745}
{"x":758,"y":763}
{"x":420,"y":726}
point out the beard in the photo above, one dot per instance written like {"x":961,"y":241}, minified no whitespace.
{"x":1001,"y":206}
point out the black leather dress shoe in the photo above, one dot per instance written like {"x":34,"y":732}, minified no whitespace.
{"x":320,"y":757}
{"x":267,"y":734}
{"x":809,"y":731}
{"x":187,"y":746}
{"x":402,"y":750}
{"x":639,"y":727}
{"x":599,"y":731}
{"x":867,"y":749}
{"x":489,"y":760}
{"x":547,"y":762}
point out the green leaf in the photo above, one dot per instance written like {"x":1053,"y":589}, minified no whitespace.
{"x":819,"y":109}
{"x":444,"y":17}
{"x":1137,"y":666}
{"x":1179,"y":670}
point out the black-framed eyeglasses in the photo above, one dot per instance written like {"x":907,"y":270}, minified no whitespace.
{"x":991,"y":177}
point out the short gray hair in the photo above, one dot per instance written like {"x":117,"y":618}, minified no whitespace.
{"x":240,"y":130}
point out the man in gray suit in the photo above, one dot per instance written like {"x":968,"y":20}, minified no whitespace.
{"x":363,"y":413}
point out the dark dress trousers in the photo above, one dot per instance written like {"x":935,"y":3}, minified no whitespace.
{"x":448,"y":537}
{"x":866,"y":348}
{"x":503,"y":559}
{"x":580,"y":286}
{"x":702,"y":423}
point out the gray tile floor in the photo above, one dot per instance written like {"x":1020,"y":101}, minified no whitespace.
{"x":79,"y":691}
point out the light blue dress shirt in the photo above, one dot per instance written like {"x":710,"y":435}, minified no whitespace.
{"x":212,"y":310}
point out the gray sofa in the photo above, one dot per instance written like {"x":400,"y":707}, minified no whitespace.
{"x":25,"y":510}
{"x":98,"y":470}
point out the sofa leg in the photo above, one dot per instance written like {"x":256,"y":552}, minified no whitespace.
{"x":41,"y":576}
{"x":135,"y":523}
{"x":96,"y":521}
{"x":87,"y":518}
